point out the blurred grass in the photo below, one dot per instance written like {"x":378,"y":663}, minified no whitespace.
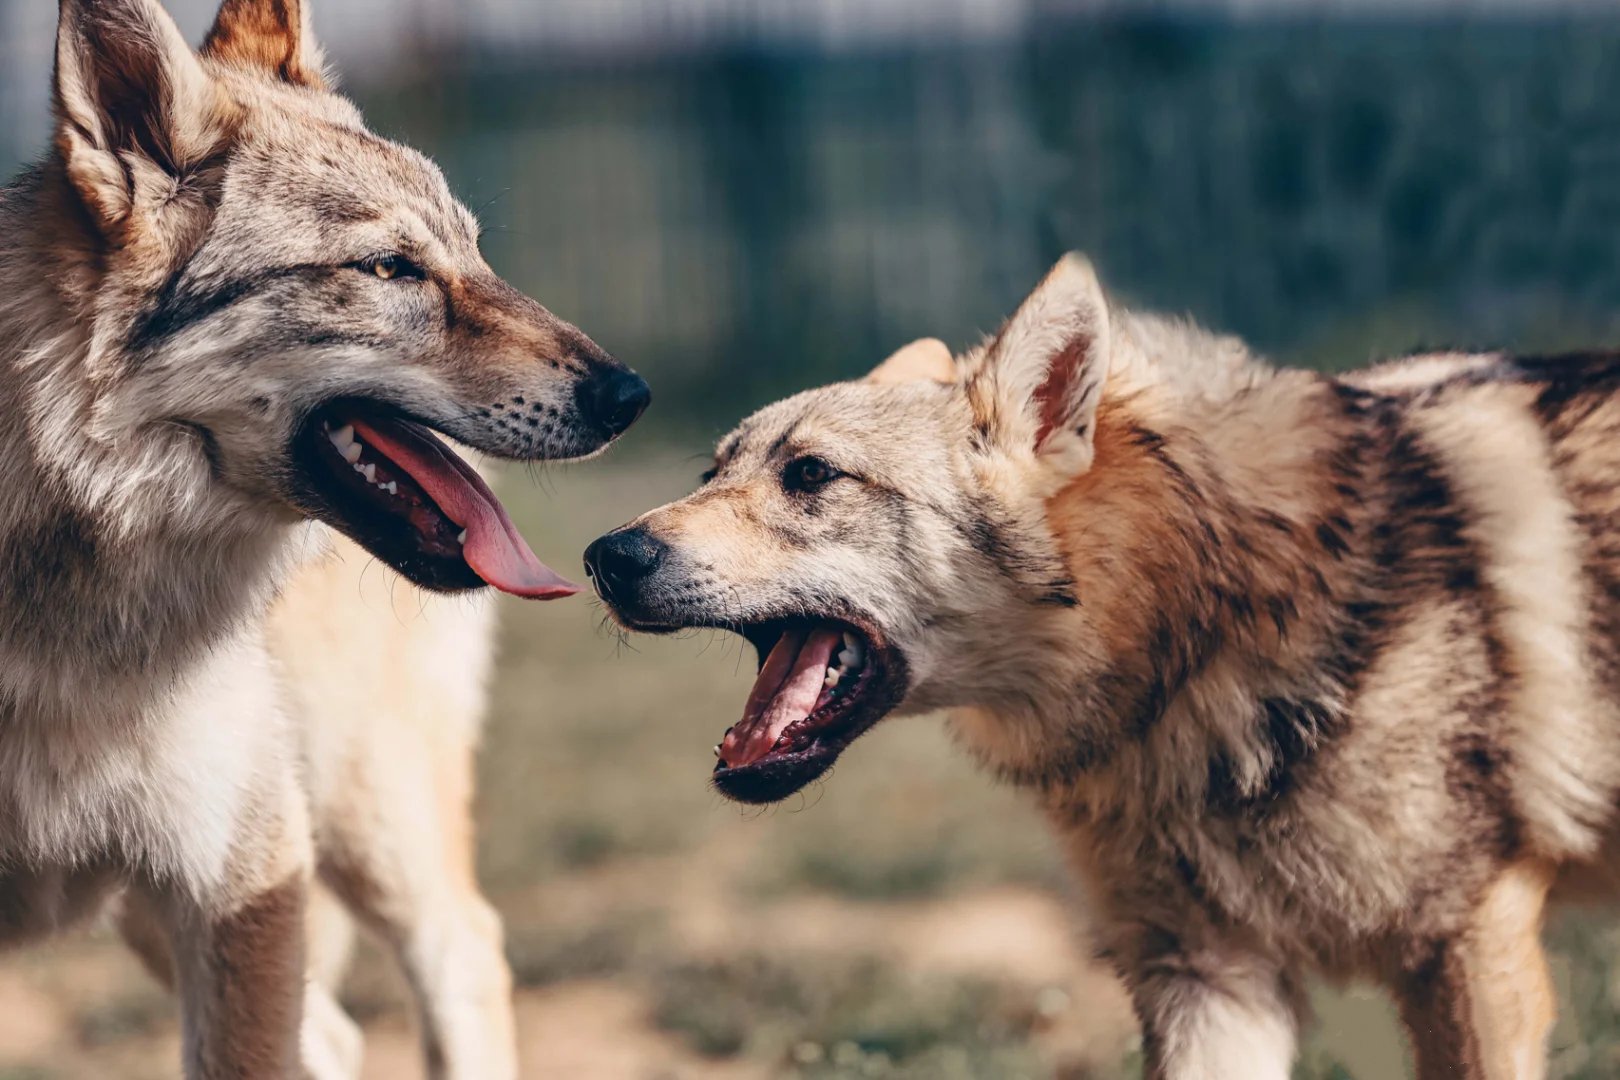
{"x":843,"y":1017}
{"x":889,"y":924}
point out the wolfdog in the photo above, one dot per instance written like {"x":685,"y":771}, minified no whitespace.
{"x":1312,"y":675}
{"x":227,"y":310}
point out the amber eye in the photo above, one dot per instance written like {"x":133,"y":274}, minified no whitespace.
{"x":808,"y":474}
{"x":391,"y":267}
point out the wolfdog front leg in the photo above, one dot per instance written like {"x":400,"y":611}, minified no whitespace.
{"x":237,"y":948}
{"x":1479,"y":1005}
{"x":1209,"y":1017}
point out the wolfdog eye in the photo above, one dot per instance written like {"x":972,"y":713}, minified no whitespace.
{"x":390,"y":267}
{"x":808,"y":474}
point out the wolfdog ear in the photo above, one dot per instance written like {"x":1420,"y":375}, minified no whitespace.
{"x":922,"y":360}
{"x":271,"y":36}
{"x":134,"y":107}
{"x":1037,"y":389}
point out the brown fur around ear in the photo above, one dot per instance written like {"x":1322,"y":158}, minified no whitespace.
{"x":923,"y":359}
{"x":273,"y":36}
{"x":134,"y":107}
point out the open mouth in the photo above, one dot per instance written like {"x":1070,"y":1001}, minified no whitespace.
{"x":821,"y":685}
{"x":387,"y":482}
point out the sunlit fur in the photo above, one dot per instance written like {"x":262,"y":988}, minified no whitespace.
{"x":1312,"y":675}
{"x":181,"y":280}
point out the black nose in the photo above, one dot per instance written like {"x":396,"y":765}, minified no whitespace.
{"x":621,"y":559}
{"x":615,"y":399}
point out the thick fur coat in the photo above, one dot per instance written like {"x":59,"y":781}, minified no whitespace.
{"x":1310,"y":674}
{"x":214,"y":250}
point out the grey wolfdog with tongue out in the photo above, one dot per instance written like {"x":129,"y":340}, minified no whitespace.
{"x":228,"y":310}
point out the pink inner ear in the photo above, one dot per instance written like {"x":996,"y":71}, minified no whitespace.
{"x":1053,"y":395}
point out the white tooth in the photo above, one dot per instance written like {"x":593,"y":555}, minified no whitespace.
{"x":393,"y":487}
{"x":344,"y":435}
{"x":848,"y":659}
{"x":716,"y":749}
{"x":849,"y":640}
{"x":461,"y":537}
{"x":833,"y":675}
{"x":370,"y":473}
{"x":361,"y":469}
{"x":351,"y":452}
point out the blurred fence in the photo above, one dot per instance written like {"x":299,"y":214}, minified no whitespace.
{"x":750,"y":217}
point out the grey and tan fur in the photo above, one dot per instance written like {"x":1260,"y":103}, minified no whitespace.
{"x":187,"y":274}
{"x":1311,"y":675}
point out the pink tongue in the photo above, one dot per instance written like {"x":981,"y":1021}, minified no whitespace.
{"x":493,"y":548}
{"x":786,"y":692}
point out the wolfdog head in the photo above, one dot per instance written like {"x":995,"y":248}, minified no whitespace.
{"x":247,"y":264}
{"x":886,"y":544}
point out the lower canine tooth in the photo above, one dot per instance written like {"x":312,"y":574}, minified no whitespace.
{"x":461,"y":537}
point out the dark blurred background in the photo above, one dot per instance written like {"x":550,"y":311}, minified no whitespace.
{"x":745,"y":197}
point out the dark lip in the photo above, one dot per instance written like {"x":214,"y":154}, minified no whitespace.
{"x":815,"y":743}
{"x":627,"y":618}
{"x":317,"y":490}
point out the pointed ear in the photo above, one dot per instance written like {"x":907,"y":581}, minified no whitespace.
{"x":1037,"y":389}
{"x":270,"y":36}
{"x":922,"y":360}
{"x":133,"y":104}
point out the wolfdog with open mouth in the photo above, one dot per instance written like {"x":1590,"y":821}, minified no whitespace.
{"x":1310,"y":674}
{"x":227,"y":310}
